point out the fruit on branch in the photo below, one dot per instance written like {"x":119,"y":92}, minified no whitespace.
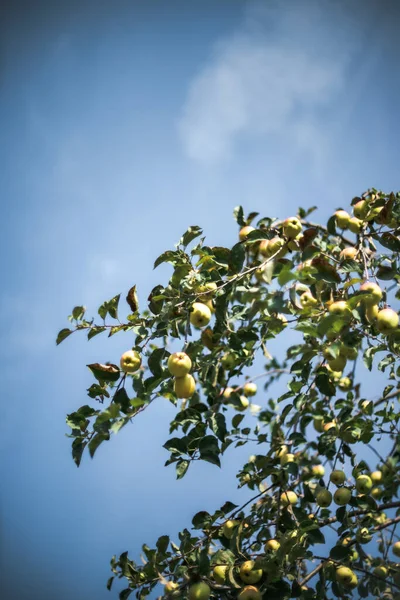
{"x":206,"y":290}
{"x":248,"y":573}
{"x":282,"y":450}
{"x":200,"y":315}
{"x":199,"y":591}
{"x":376,"y":493}
{"x":308,"y":301}
{"x":318,"y":470}
{"x":344,"y":575}
{"x":185,"y":386}
{"x":130,"y":361}
{"x":372,"y":293}
{"x":338,"y":363}
{"x":228,"y":361}
{"x":287,"y":458}
{"x":345,"y":384}
{"x":376,"y":476}
{"x":228,"y":528}
{"x":337,"y":477}
{"x":294,"y":244}
{"x":318,"y":423}
{"x":271,"y":546}
{"x":291,"y":227}
{"x":179,"y":364}
{"x":171,"y":588}
{"x":342,"y":496}
{"x":355,"y":225}
{"x":363,"y":484}
{"x":360,"y":209}
{"x":387,"y":320}
{"x":349,"y":253}
{"x":250,"y":592}
{"x":228,"y":393}
{"x":350,"y":352}
{"x":340,"y":308}
{"x":396,"y":548}
{"x":243,"y":403}
{"x":342,"y":218}
{"x":250,"y":389}
{"x":371,"y":312}
{"x":244,"y":232}
{"x":289,"y":498}
{"x":331,"y":427}
{"x":274,"y":246}
{"x":380,"y":571}
{"x":363,"y":535}
{"x":349,"y":435}
{"x":324,"y":498}
{"x":219,"y":573}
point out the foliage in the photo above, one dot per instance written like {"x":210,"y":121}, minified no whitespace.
{"x":302,"y":282}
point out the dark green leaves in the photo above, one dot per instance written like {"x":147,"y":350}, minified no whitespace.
{"x":62,"y":335}
{"x":192,"y":233}
{"x":237,"y":257}
{"x":218,"y":426}
{"x":110,"y":307}
{"x":209,"y":450}
{"x":239,"y":216}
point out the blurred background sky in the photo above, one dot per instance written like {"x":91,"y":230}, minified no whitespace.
{"x":121,"y":124}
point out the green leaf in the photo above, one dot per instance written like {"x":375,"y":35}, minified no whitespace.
{"x":228,"y":507}
{"x":315,"y":536}
{"x":202,"y":520}
{"x":107,"y":372}
{"x":339,"y":552}
{"x":239,"y":216}
{"x":95,"y":442}
{"x":95,"y":331}
{"x":192,"y":233}
{"x":170,"y":256}
{"x":236,"y":420}
{"x":109,"y":583}
{"x":154,"y":361}
{"x":78,"y":312}
{"x":162,"y":544}
{"x":125,"y":594}
{"x":237,"y":257}
{"x":62,"y":335}
{"x":209,"y":450}
{"x":78,"y":446}
{"x":181,"y":468}
{"x":324,"y":385}
{"x":113,"y":306}
{"x":218,"y":426}
{"x":257,"y":235}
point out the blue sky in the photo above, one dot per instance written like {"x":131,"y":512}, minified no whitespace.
{"x":122,"y":124}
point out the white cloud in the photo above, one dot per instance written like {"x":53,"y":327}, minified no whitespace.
{"x":275,"y":77}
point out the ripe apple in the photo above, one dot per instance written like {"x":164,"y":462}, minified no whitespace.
{"x":199,"y":591}
{"x":342,"y":496}
{"x":229,"y":527}
{"x":342,"y":218}
{"x":294,"y":243}
{"x":308,"y":301}
{"x":340,"y":308}
{"x":363,"y":535}
{"x":337,"y":477}
{"x":287,"y":458}
{"x":206,"y":290}
{"x":338,"y":363}
{"x":376,"y":493}
{"x":244,"y":232}
{"x":372,"y":293}
{"x":376,"y":476}
{"x":331,"y":426}
{"x":271,"y":546}
{"x":387,"y":320}
{"x":396,"y":548}
{"x":360,"y":209}
{"x":354,"y":225}
{"x":371,"y":312}
{"x":349,"y":253}
{"x":227,"y":393}
{"x":219,"y":573}
{"x":244,"y":403}
{"x":250,"y":389}
{"x":324,"y":498}
{"x":269,"y":248}
{"x":200,"y":315}
{"x":282,"y":451}
{"x":248,"y":573}
{"x":344,"y":575}
{"x":380,"y":571}
{"x":291,"y":227}
{"x":318,"y":470}
{"x":130,"y":361}
{"x":179,"y":364}
{"x":354,"y":580}
{"x":289,"y":498}
{"x":363,"y":484}
{"x":184,"y":386}
{"x":250,"y":592}
{"x":345,"y":384}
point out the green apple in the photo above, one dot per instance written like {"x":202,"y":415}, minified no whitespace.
{"x":337,"y":477}
{"x":342,"y":218}
{"x":387,"y":320}
{"x":324,"y":498}
{"x":396,"y":548}
{"x":354,"y":581}
{"x":244,"y":403}
{"x":376,"y":476}
{"x":318,"y":423}
{"x":274,"y":246}
{"x":342,"y":496}
{"x":363,"y":484}
{"x":271,"y":546}
{"x":250,"y":592}
{"x":291,"y":227}
{"x":287,"y":458}
{"x":318,"y":470}
{"x":350,"y":352}
{"x":363,"y":535}
{"x":200,"y":315}
{"x":250,"y":389}
{"x":349,"y":253}
{"x":355,"y":225}
{"x":199,"y":591}
{"x":179,"y":364}
{"x":371,"y":312}
{"x":289,"y":498}
{"x":349,"y":435}
{"x":219,"y":573}
{"x":371,"y":293}
{"x":184,"y":386}
{"x":170,"y":587}
{"x":338,"y":363}
{"x":228,"y":528}
{"x":344,"y":575}
{"x":380,"y":571}
{"x":244,"y":232}
{"x":376,"y":493}
{"x":130,"y":361}
{"x":360,"y":209}
{"x":345,"y":384}
{"x":340,"y":308}
{"x":228,"y":361}
{"x":248,"y":573}
{"x":308,"y":301}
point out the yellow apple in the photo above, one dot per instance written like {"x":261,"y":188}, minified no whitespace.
{"x":248,"y":573}
{"x":376,"y":493}
{"x":387,"y":320}
{"x":179,"y":364}
{"x":184,"y":386}
{"x":318,"y":470}
{"x":380,"y":571}
{"x":271,"y":546}
{"x":396,"y":548}
{"x":287,"y":458}
{"x":250,"y":389}
{"x":244,"y":232}
{"x":130,"y":361}
{"x":345,"y":384}
{"x":289,"y":498}
{"x":342,"y":218}
{"x":372,"y":293}
{"x":308,"y":301}
{"x":219,"y":573}
{"x":354,"y":225}
{"x":250,"y":592}
{"x":344,"y":575}
{"x":228,"y":528}
{"x":228,"y":361}
{"x":170,"y":587}
{"x":360,"y":209}
{"x":199,"y":591}
{"x":371,"y":312}
{"x":376,"y":476}
{"x":228,"y":393}
{"x":340,"y":308}
{"x":331,"y":427}
{"x":291,"y":227}
{"x":349,"y":253}
{"x":200,"y":315}
{"x":274,"y":246}
{"x":244,"y":403}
